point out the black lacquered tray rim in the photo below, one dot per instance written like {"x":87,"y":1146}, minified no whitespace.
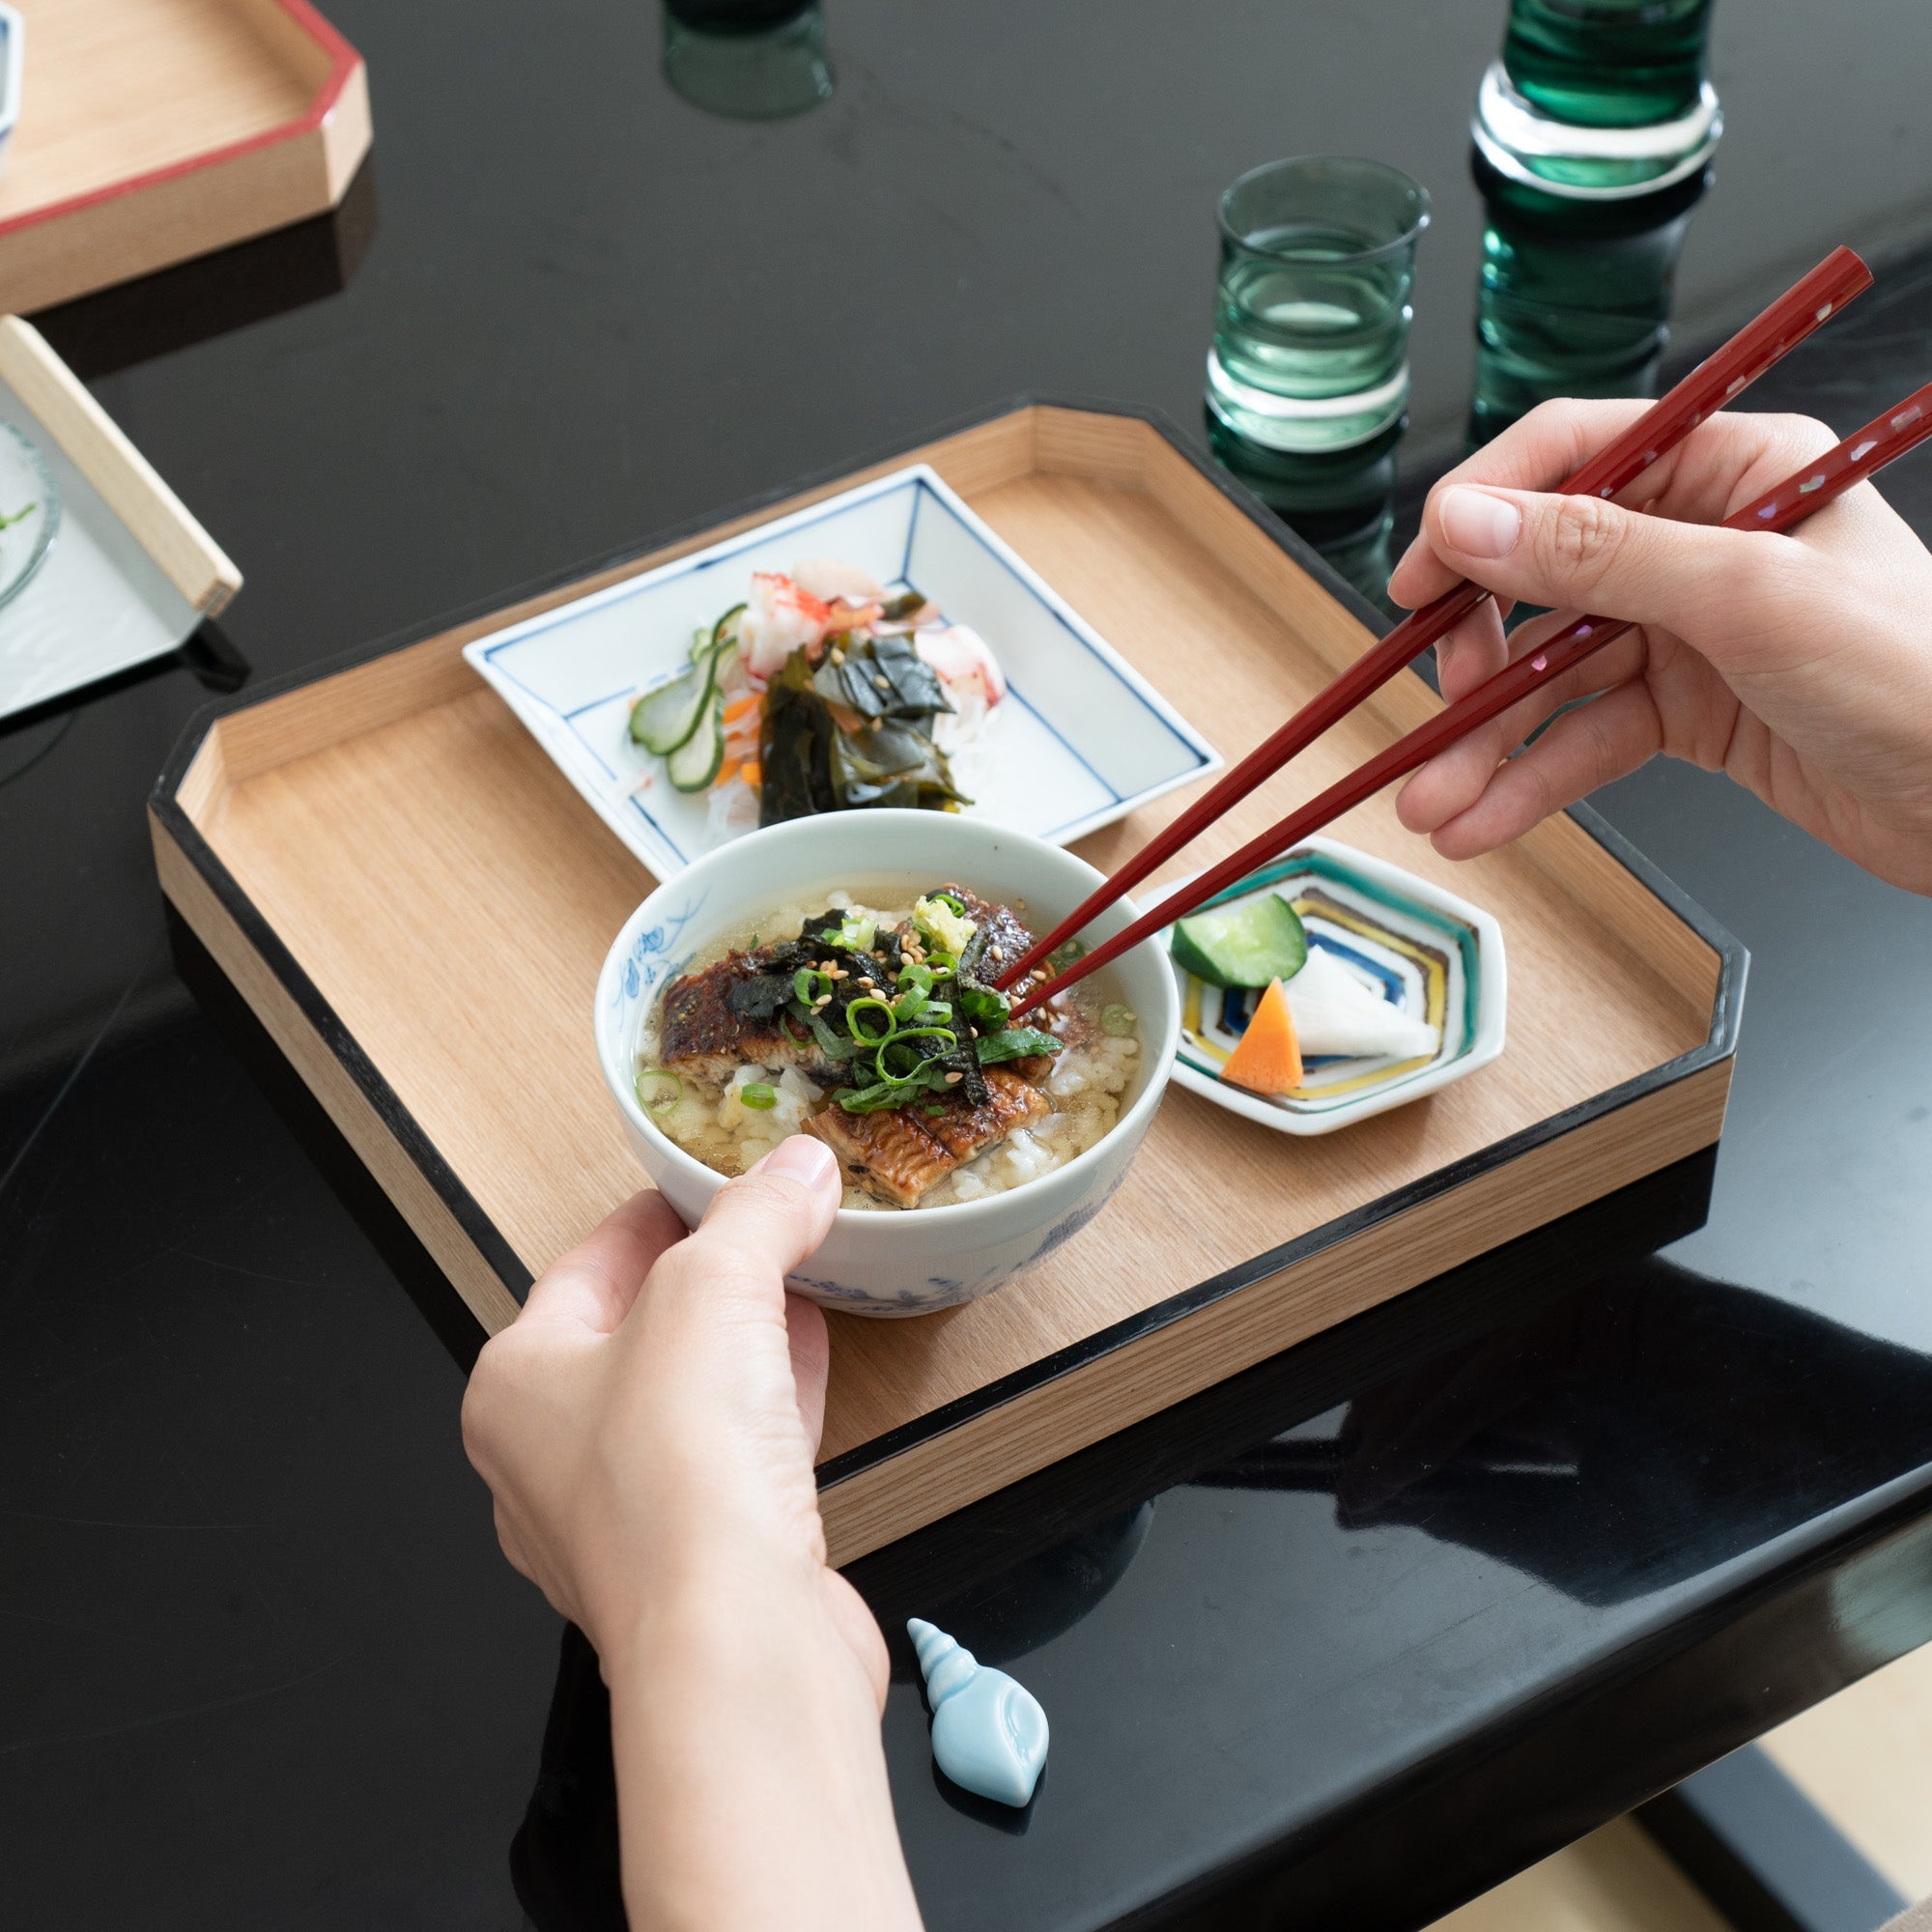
{"x":496,"y":1250}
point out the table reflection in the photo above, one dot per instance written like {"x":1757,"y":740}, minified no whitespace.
{"x":214,"y":294}
{"x":1582,"y":1444}
{"x":747,"y":60}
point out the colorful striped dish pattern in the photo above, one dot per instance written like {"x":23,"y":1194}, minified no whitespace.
{"x":1423,"y":960}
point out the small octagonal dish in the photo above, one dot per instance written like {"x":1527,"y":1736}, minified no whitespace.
{"x":1428,"y":955}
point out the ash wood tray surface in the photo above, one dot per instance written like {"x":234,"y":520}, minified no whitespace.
{"x":153,"y":130}
{"x":415,"y":902}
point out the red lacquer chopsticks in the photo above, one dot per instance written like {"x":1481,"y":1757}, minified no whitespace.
{"x":1862,"y":454}
{"x":1708,"y":388}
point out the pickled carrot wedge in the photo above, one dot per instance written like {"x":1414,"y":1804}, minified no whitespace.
{"x":1267,"y":1059}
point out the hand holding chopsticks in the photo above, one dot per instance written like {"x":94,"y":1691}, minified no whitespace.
{"x":1806,"y":490}
{"x":1741,"y":361}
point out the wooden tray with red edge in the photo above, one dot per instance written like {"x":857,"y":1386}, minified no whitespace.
{"x":153,"y":130}
{"x":415,"y":903}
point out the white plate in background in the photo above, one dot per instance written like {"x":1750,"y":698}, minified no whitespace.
{"x":98,"y":603}
{"x":1080,"y":741}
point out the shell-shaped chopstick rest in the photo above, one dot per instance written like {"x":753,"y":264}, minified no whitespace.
{"x":988,"y":1732}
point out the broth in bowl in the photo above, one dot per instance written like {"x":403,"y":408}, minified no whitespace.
{"x":874,"y":1024}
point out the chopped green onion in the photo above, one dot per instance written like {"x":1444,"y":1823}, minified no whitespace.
{"x":916,"y":976}
{"x":951,"y":900}
{"x":1063,"y":956}
{"x":1119,"y":1020}
{"x":756,"y":1095}
{"x":857,"y":933}
{"x":810,"y":985}
{"x":871,"y":1003}
{"x":660,"y":1094}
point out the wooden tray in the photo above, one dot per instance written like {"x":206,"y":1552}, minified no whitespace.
{"x":152,"y":130}
{"x":415,"y":903}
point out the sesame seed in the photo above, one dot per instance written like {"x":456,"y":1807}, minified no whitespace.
{"x":864,"y":978}
{"x":823,"y":1000}
{"x":953,"y":1079}
{"x":997,"y":953}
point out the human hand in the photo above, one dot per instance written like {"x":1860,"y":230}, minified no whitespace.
{"x":1801,"y":664}
{"x":647,"y":1426}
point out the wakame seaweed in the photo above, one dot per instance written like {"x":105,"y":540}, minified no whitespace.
{"x":809,"y":762}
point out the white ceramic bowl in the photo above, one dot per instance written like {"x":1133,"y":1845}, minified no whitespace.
{"x":887,"y":1262}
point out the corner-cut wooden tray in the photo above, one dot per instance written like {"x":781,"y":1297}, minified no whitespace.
{"x":415,"y":903}
{"x":152,"y":130}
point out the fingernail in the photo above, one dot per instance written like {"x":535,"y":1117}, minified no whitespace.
{"x":1479,"y":524}
{"x":803,"y":1159}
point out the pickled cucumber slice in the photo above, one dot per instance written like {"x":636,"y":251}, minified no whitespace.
{"x":1242,"y":945}
{"x":696,"y":762}
{"x":666,"y":718}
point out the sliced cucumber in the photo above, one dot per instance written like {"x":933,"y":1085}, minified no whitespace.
{"x":696,"y":762}
{"x":1244,"y":945}
{"x":723,"y":632}
{"x":663,"y":719}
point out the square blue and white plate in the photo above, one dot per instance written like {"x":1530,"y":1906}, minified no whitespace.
{"x":1081,"y":739}
{"x":1426,"y":953}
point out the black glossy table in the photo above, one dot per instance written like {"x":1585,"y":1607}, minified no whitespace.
{"x":1339,"y":1644}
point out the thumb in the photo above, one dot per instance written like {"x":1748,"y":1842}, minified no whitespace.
{"x":769,"y":1221}
{"x":1583,"y":554}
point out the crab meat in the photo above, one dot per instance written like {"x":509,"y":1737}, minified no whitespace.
{"x":962,"y":660}
{"x":779,"y":617}
{"x":833,"y":582}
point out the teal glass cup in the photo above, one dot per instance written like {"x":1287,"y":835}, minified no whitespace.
{"x":1312,"y":308}
{"x":1574,"y":295}
{"x":1601,"y":99}
{"x":747,"y":60}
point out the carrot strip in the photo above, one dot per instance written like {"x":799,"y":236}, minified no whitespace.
{"x":750,"y":771}
{"x":726,"y":773}
{"x":1267,"y":1057}
{"x":741,"y":707}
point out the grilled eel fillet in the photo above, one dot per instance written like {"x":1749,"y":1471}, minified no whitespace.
{"x":704,"y":1036}
{"x":898,"y":1153}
